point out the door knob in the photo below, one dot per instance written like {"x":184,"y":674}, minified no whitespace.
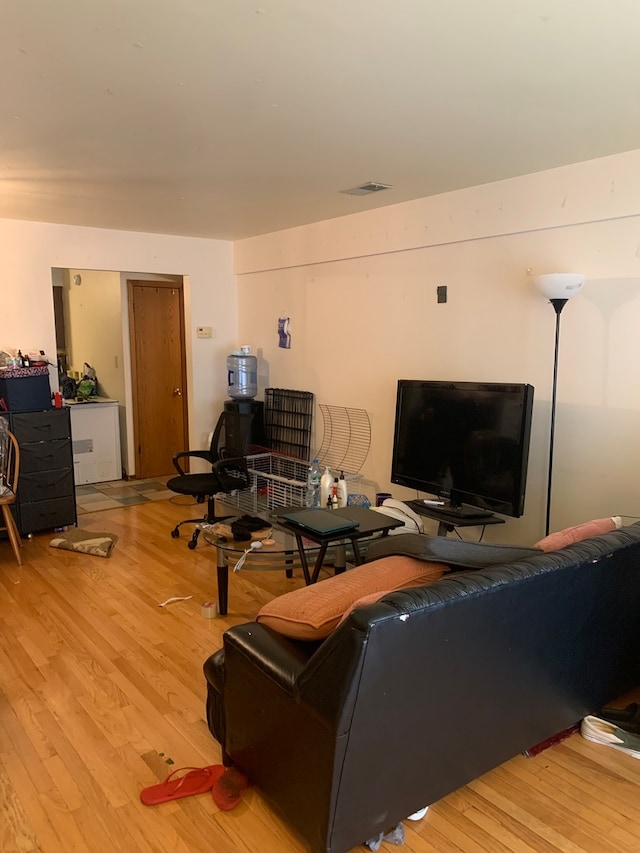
{"x":177,"y":392}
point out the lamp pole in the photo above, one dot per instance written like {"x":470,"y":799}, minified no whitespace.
{"x":558,"y":305}
{"x":558,"y":287}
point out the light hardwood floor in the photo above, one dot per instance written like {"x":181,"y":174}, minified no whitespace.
{"x":102,"y":693}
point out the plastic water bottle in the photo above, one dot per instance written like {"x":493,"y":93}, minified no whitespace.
{"x":326,"y":482}
{"x":313,"y":485}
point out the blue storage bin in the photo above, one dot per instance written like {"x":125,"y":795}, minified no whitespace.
{"x":25,"y":389}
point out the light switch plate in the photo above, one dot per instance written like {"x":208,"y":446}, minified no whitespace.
{"x":204,"y":332}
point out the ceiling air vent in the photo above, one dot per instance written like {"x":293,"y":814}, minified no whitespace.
{"x":368,"y":188}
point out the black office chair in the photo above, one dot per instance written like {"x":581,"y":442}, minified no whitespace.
{"x":227,"y":457}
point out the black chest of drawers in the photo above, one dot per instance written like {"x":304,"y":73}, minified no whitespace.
{"x":46,"y":489}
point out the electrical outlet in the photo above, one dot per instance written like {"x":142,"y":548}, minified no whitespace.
{"x":204,"y":332}
{"x":442,"y":293}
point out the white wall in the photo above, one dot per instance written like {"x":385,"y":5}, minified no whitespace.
{"x":361,"y":294}
{"x":94,"y":312}
{"x":29,"y":251}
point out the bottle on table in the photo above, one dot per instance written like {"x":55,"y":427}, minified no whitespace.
{"x":335,"y":503}
{"x":342,"y":491}
{"x":326,"y":481}
{"x":312,"y":499}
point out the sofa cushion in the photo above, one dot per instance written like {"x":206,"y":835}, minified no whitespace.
{"x":369,"y":598}
{"x":562,"y":538}
{"x":312,"y":612}
{"x":453,"y":552}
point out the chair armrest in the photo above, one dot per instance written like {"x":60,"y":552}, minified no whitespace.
{"x":232,"y":473}
{"x":231,"y":462}
{"x":185,"y":454}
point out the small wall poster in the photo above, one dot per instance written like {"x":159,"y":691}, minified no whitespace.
{"x":284,"y":335}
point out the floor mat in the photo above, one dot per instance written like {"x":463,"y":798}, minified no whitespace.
{"x":118,"y":493}
{"x":85,"y":542}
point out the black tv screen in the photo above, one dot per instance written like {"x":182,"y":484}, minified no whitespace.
{"x":466,"y":442}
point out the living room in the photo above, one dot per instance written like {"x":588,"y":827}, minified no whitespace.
{"x":360,"y":292}
{"x":103,"y":691}
{"x":360,"y":323}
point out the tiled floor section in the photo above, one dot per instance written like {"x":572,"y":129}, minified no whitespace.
{"x":121,"y":493}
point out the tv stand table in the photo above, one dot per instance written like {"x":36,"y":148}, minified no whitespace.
{"x":448,"y":521}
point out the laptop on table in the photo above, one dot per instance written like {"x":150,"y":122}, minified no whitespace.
{"x":321,"y":521}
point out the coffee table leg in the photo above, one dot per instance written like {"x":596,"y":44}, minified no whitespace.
{"x":319,"y":561}
{"x":303,"y":560}
{"x":357,"y":559}
{"x":223,"y":582}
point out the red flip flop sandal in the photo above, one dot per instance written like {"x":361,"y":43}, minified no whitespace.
{"x":196,"y":780}
{"x":228,"y":788}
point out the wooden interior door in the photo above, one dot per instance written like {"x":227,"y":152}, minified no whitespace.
{"x":158,"y":373}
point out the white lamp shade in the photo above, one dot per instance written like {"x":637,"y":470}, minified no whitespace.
{"x":560,"y":285}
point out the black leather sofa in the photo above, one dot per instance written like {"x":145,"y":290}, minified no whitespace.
{"x":412,"y":697}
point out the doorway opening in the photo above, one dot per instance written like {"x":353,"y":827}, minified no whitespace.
{"x":91,"y":310}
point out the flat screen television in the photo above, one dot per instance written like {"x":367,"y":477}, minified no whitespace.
{"x":465,"y":442}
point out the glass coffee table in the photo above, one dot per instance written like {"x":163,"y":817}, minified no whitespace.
{"x":292,"y":548}
{"x":282,"y":555}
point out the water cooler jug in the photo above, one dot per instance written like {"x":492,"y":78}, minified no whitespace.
{"x":242,"y":382}
{"x":242,"y":374}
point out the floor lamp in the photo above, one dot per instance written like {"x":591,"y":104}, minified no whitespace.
{"x":558,"y":287}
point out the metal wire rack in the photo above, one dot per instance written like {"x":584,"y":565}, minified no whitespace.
{"x":276,"y":481}
{"x":288,"y":417}
{"x":280,"y":478}
{"x":347,"y":438}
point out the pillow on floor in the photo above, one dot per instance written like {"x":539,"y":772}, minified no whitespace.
{"x":312,"y":612}
{"x":562,"y":538}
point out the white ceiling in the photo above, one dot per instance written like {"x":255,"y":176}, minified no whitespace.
{"x":228,"y":118}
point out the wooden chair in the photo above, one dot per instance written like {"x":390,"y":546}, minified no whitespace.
{"x":11,"y":470}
